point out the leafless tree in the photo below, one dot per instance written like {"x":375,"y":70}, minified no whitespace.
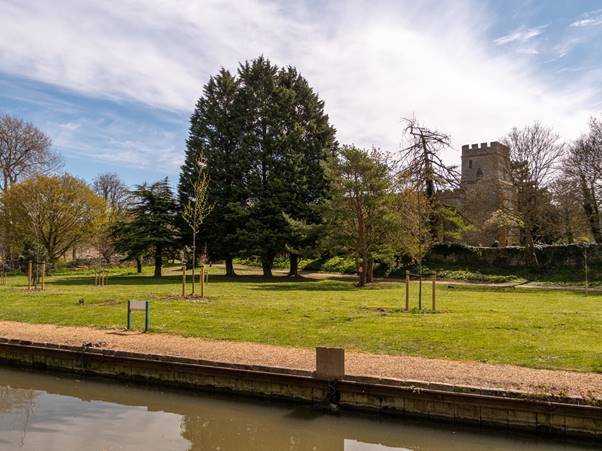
{"x":24,"y":151}
{"x":195,"y":211}
{"x":421,"y":163}
{"x":535,"y":153}
{"x":538,"y":150}
{"x":117,"y":199}
{"x":114,"y":192}
{"x":584,"y":164}
{"x":570,"y":221}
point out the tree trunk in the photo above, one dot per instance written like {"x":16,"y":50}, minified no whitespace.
{"x":591,"y":211}
{"x":266,"y":264}
{"x":294,"y":269}
{"x":193,"y":260}
{"x":570,"y":237}
{"x":531,"y":254}
{"x":370,"y":271}
{"x":158,"y":261}
{"x":139,"y":265}
{"x":363,"y":267}
{"x":230,"y":267}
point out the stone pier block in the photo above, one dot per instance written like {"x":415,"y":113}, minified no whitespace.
{"x":330,"y":363}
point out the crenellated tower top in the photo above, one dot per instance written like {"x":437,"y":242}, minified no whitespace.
{"x":487,"y":161}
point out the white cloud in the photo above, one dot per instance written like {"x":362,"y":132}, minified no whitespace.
{"x":589,"y":19}
{"x":112,"y":140}
{"x":587,"y":22}
{"x":372,"y":62}
{"x":520,"y":35}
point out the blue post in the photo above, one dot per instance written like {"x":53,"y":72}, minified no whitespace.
{"x":147,"y":317}
{"x":129,"y":316}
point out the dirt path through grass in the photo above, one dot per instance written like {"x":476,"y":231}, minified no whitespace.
{"x":561,"y":383}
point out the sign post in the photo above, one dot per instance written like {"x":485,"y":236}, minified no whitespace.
{"x":143,"y":306}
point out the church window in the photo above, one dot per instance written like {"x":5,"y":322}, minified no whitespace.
{"x":469,"y":164}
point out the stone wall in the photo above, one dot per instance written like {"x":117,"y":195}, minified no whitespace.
{"x":567,"y":417}
{"x":549,"y":257}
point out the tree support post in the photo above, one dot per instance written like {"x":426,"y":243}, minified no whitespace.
{"x":434,"y":290}
{"x":29,"y":274}
{"x":43,"y":276}
{"x":183,"y":279}
{"x":202,"y":277}
{"x":420,"y":291}
{"x":407,"y":290}
{"x":585,"y":270}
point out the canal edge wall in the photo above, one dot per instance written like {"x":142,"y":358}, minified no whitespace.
{"x":569,"y":417}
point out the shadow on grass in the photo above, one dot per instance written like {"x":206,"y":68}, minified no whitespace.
{"x":315,"y":286}
{"x":283,"y":283}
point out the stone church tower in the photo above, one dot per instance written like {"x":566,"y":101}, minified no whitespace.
{"x":487,"y":192}
{"x":486,"y":162}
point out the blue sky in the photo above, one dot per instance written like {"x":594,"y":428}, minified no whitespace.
{"x":114,"y":83}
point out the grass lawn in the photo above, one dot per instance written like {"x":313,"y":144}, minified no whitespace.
{"x":535,"y":328}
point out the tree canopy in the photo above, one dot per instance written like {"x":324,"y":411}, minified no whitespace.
{"x":151,"y":228}
{"x":261,"y":137}
{"x":358,"y":213}
{"x":56,"y":211}
{"x":24,"y":151}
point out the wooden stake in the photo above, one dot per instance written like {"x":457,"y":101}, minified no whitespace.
{"x":420,"y":291}
{"x":43,"y":276}
{"x":407,"y":290}
{"x":586,"y":271}
{"x":202,"y":281}
{"x":183,"y":279}
{"x":434,"y":289}
{"x":29,"y":274}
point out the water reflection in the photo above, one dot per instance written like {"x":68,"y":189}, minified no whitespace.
{"x":39,"y":411}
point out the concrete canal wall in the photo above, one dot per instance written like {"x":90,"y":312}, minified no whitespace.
{"x":570,"y":417}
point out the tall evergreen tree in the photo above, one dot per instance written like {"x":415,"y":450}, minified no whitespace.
{"x":261,"y":139}
{"x":309,"y":142}
{"x":263,"y":122}
{"x":213,"y":148}
{"x":359,"y":216}
{"x":152,"y":228}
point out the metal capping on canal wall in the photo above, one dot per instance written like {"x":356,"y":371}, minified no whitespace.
{"x":498,"y":408}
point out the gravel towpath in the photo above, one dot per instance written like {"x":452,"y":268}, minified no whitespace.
{"x":476,"y":374}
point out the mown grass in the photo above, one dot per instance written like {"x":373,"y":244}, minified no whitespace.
{"x":535,"y":328}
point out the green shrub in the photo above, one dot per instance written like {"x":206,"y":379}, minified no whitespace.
{"x":339,"y":264}
{"x":313,"y":265}
{"x":473,"y":276}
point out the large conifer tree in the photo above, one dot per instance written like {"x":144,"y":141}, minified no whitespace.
{"x":152,"y":226}
{"x":213,"y":147}
{"x":260,"y":138}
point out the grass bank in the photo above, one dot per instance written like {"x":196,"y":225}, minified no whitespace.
{"x":543,"y":329}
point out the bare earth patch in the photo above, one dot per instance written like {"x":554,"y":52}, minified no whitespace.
{"x":476,"y":374}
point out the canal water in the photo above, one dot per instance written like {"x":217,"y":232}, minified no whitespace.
{"x":40,"y":411}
